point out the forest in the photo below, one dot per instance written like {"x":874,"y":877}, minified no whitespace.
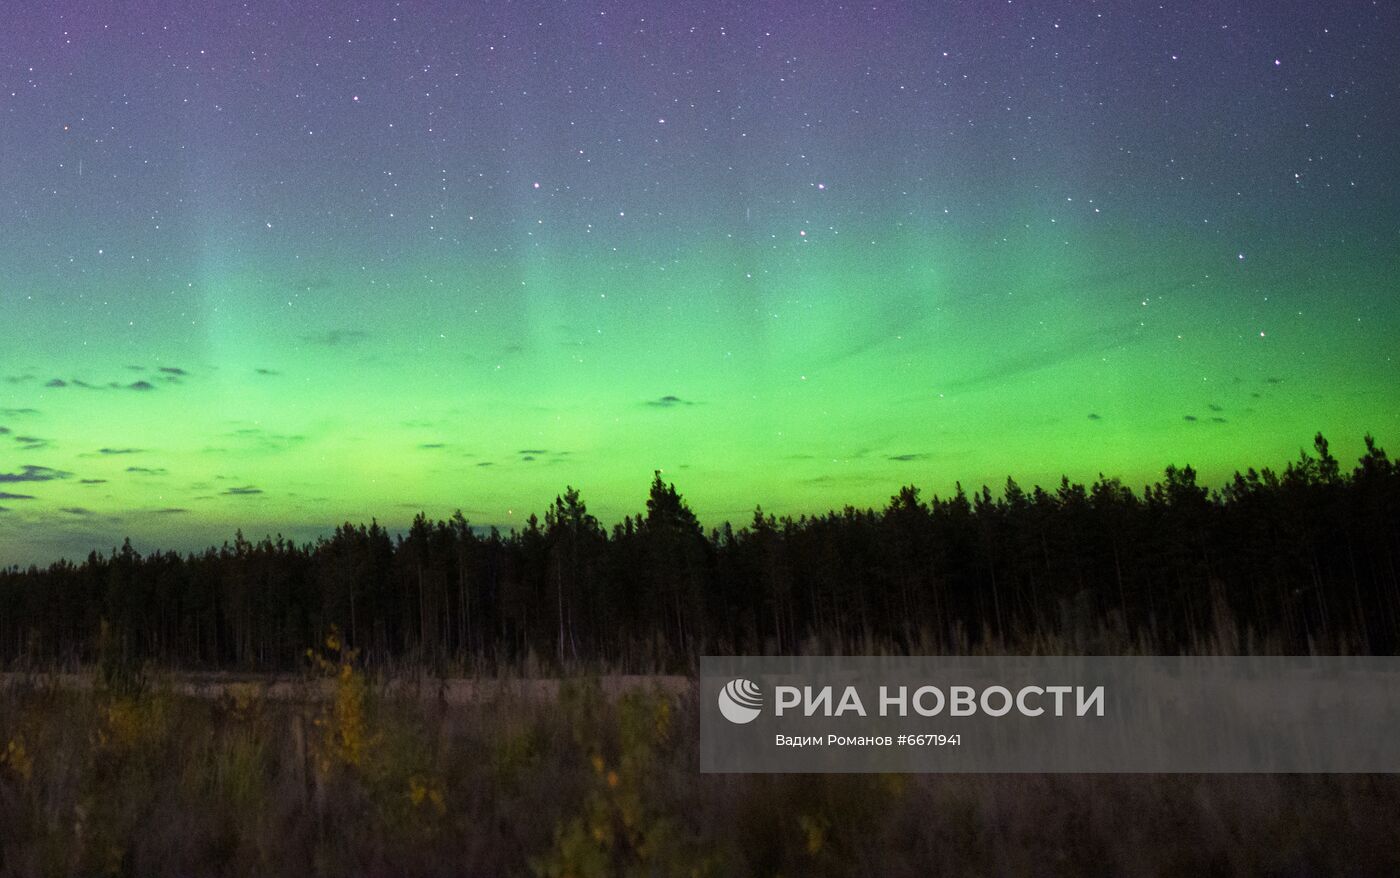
{"x":1301,"y":559}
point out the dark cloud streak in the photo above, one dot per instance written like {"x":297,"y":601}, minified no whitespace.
{"x":34,"y":474}
{"x":668,"y":401}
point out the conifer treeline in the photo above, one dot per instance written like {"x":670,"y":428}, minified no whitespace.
{"x":1306,"y":558}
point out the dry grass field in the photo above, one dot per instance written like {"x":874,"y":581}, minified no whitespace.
{"x":336,"y":774}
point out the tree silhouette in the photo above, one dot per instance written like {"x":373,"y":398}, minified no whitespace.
{"x":1304,"y":558}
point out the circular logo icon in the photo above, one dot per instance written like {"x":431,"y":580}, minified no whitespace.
{"x":740,"y":701}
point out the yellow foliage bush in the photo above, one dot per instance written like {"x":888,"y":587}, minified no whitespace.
{"x":16,"y":759}
{"x":427,"y":792}
{"x":128,"y":723}
{"x":346,"y":739}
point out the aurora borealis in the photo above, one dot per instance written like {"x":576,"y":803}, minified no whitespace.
{"x":275,"y":266}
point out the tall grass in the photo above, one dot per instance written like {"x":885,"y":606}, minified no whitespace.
{"x":361,"y":779}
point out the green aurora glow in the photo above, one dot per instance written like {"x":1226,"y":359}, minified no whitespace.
{"x":293,"y":340}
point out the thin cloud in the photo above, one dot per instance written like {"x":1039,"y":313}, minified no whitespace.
{"x":6,"y":495}
{"x":173,"y":370}
{"x":17,"y":413}
{"x":147,"y":470}
{"x":76,"y":510}
{"x":1190,"y":418}
{"x":246,"y":491}
{"x":261,"y":371}
{"x":907,"y":458}
{"x":335,"y":337}
{"x":139,"y":385}
{"x":1057,"y":352}
{"x":92,"y":481}
{"x":120,"y":450}
{"x":1094,"y":416}
{"x":264,"y":439}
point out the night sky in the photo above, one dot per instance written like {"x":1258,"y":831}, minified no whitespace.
{"x":279,"y":265}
